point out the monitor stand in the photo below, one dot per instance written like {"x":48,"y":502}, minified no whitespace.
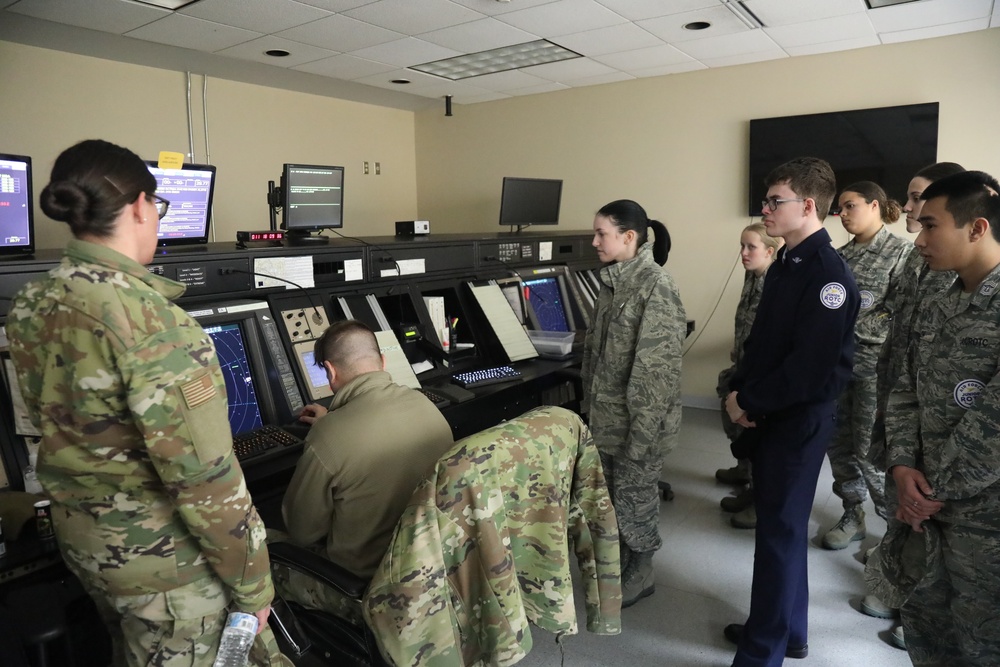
{"x":303,"y":237}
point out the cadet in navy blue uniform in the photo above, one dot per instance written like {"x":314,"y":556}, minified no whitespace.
{"x":797,"y":361}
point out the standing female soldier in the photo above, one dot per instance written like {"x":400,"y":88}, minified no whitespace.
{"x":757,"y":251}
{"x":149,"y":504}
{"x":631,"y":379}
{"x":876,"y":258}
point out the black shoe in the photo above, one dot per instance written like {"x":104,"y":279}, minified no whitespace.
{"x":734,"y":632}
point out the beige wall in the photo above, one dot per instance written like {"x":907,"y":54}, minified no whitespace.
{"x":678,"y":145}
{"x":51,"y":100}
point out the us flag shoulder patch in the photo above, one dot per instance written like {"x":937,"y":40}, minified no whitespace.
{"x":198,"y":391}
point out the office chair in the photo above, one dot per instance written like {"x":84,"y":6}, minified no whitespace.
{"x":314,"y":638}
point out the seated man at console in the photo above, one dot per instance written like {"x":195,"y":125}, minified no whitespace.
{"x":364,"y":458}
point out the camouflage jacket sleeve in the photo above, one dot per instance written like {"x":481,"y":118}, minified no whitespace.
{"x":653,"y":393}
{"x":902,"y":419}
{"x":177,"y":396}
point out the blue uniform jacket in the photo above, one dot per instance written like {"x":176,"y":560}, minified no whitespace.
{"x":801,"y":346}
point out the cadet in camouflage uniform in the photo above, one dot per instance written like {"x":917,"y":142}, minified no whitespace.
{"x":876,"y":258}
{"x":483,"y":548}
{"x":631,"y":379}
{"x":757,"y":251}
{"x":943,"y":427}
{"x":149,"y":504}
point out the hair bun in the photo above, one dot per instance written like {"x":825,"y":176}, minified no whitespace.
{"x":64,"y":201}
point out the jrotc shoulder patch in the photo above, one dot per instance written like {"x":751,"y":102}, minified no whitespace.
{"x":198,"y":391}
{"x":867,"y":299}
{"x":967,"y":391}
{"x":833,"y":295}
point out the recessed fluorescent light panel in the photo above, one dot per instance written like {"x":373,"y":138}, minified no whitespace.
{"x":875,"y":4}
{"x":169,"y":4}
{"x":505,"y":58}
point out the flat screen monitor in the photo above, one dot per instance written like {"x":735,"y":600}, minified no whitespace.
{"x":244,"y":408}
{"x":17,"y":212}
{"x":548,"y":302}
{"x":189,"y":190}
{"x":313,"y":197}
{"x":886,"y":145}
{"x":530,"y":201}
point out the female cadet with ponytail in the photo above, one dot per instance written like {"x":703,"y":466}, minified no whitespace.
{"x":150,"y":508}
{"x":631,"y":379}
{"x":876,"y":258}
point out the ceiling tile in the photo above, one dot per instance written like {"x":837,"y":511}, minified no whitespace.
{"x":610,"y":77}
{"x":117,"y":16}
{"x":836,"y":29}
{"x":563,"y":17}
{"x":494,"y":8}
{"x":344,"y":67}
{"x":829,"y":47}
{"x":783,"y":12}
{"x":297,"y":53}
{"x":623,"y":37}
{"x":476,"y":36}
{"x":548,"y":87}
{"x":190,"y":33}
{"x":340,"y":33}
{"x":486,"y":97}
{"x":413,"y":18}
{"x":752,"y":41}
{"x":671,"y":28}
{"x":935,"y":31}
{"x":384,"y":80}
{"x":637,"y":10}
{"x":568,"y":70}
{"x":266,"y":16}
{"x":656,"y":56}
{"x":405,"y":52}
{"x":744,"y":58}
{"x":509,"y":80}
{"x":336,"y":5}
{"x":928,"y":13}
{"x":690,"y":66}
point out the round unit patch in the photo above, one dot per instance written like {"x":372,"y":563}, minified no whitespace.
{"x":833,"y":295}
{"x":967,"y":391}
{"x":867,"y":299}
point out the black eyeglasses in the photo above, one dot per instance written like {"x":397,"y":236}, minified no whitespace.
{"x":162,"y":205}
{"x":773,"y":203}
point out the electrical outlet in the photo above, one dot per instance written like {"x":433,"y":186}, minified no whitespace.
{"x":378,"y":168}
{"x":366,"y":167}
{"x":305,"y":323}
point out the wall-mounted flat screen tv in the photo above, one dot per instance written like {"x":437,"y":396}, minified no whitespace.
{"x":887,"y":145}
{"x":530,"y":201}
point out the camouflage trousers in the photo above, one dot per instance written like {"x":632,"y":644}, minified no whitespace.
{"x":854,"y":475}
{"x":632,"y":485}
{"x":956,"y":620}
{"x":178,"y":628}
{"x":731,"y":429}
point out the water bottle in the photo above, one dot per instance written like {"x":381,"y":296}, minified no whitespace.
{"x":237,"y":637}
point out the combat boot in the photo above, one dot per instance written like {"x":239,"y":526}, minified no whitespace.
{"x":637,"y":581}
{"x":850,"y":528}
{"x":872,"y":606}
{"x":898,"y":637}
{"x":738,"y":474}
{"x":739,"y":502}
{"x":745,"y":519}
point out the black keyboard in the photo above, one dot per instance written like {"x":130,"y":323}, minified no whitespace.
{"x":485,"y":376}
{"x":261,"y":441}
{"x":437,"y":399}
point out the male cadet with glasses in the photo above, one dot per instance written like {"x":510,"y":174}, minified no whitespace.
{"x":943,"y":429}
{"x":797,"y":361}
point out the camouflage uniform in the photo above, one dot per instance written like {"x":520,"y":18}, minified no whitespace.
{"x":878,"y":268}
{"x":753,"y":287}
{"x":483,"y":548}
{"x":631,"y":388}
{"x":943,"y":418}
{"x":149,"y":504}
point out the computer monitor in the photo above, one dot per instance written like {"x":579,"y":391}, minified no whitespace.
{"x":530,"y":201}
{"x":244,"y":408}
{"x":312,"y":198}
{"x":189,"y":190}
{"x":17,"y":211}
{"x":316,"y":381}
{"x":548,"y":300}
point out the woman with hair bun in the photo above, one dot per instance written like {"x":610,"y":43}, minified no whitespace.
{"x":876,"y":258}
{"x":150,"y":507}
{"x":631,"y":379}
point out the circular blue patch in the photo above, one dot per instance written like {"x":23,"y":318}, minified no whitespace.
{"x":833,"y":295}
{"x":867,"y":299}
{"x":967,"y":391}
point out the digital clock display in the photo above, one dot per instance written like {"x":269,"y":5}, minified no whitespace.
{"x":266,"y":236}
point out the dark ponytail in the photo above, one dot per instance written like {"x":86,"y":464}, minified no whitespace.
{"x":628,"y":215}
